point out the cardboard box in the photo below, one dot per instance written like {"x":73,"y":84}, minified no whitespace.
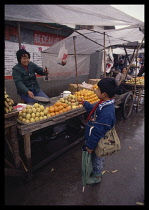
{"x":93,"y":81}
{"x":73,"y":87}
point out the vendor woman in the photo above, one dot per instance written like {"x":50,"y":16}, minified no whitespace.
{"x":25,"y":78}
{"x":123,"y":76}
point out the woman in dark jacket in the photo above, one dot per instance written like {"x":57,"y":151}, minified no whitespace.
{"x":25,"y":78}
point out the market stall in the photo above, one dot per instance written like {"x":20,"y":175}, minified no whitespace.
{"x":26,"y":130}
{"x":136,"y":85}
{"x":80,"y":45}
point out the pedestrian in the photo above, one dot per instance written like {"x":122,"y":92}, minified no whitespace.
{"x":121,"y":64}
{"x":123,"y":76}
{"x":24,"y":76}
{"x":100,"y":120}
{"x":120,"y":78}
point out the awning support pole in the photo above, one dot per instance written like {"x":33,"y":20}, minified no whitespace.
{"x":126,"y":54}
{"x":135,"y":53}
{"x":19,"y":37}
{"x":75,"y":61}
{"x":104,"y":56}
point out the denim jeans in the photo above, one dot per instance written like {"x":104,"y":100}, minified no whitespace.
{"x":28,"y":100}
{"x":97,"y":163}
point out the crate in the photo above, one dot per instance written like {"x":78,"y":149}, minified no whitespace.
{"x":73,"y":87}
{"x":93,"y":81}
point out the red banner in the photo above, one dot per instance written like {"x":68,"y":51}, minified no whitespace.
{"x":46,"y":39}
{"x":10,"y":31}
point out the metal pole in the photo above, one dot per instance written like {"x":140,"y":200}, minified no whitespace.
{"x":19,"y":38}
{"x":75,"y":61}
{"x":126,"y":54}
{"x":135,"y":75}
{"x":104,"y":56}
{"x":136,"y":53}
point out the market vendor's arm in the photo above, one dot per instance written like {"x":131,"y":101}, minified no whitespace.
{"x":129,"y":77}
{"x":38,"y":69}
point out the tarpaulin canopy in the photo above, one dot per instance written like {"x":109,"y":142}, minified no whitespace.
{"x":101,"y":15}
{"x":86,"y":42}
{"x":121,"y":51}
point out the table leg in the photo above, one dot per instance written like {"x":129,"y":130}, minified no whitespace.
{"x":15,"y":146}
{"x":27,"y":150}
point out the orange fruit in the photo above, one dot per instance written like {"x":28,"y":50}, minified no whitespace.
{"x":57,"y":104}
{"x":65,"y":105}
{"x":56,"y":109}
{"x":79,"y":99}
{"x":56,"y":113}
{"x":51,"y":109}
{"x":52,"y":114}
{"x":68,"y":108}
{"x":60,"y":107}
{"x":61,"y":111}
{"x":64,"y":110}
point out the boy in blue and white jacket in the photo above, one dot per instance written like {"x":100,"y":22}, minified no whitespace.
{"x":102,"y":120}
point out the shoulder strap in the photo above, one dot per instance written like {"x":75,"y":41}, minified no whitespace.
{"x":92,"y":111}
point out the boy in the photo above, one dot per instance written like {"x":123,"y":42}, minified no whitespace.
{"x":100,"y":120}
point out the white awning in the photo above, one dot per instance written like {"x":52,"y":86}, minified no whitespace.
{"x":101,"y":15}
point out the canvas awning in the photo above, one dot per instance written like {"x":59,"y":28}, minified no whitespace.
{"x":84,"y":45}
{"x":101,"y":15}
{"x":121,"y":51}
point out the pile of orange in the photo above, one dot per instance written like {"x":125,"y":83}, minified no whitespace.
{"x":58,"y":108}
{"x":94,"y":87}
{"x":87,"y":95}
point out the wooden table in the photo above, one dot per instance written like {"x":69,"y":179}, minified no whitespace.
{"x":12,"y":142}
{"x":26,"y":131}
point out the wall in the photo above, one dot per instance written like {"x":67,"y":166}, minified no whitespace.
{"x":34,"y":37}
{"x":51,"y":88}
{"x":95,"y":65}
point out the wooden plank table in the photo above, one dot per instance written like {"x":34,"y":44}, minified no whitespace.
{"x":26,"y":130}
{"x":10,"y":124}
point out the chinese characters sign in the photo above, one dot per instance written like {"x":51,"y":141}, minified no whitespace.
{"x":46,"y":39}
{"x":10,"y":31}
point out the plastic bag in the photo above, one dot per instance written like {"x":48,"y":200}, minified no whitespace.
{"x":109,"y":60}
{"x":62,"y":56}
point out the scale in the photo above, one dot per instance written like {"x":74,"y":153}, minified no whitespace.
{"x":42,"y":99}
